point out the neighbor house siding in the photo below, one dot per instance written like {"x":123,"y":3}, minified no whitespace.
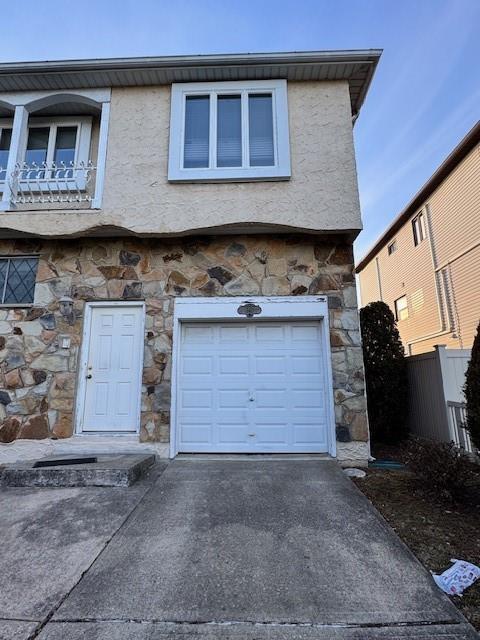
{"x":452,"y":214}
{"x":406,"y":272}
{"x":369,"y":289}
{"x":455,"y":209}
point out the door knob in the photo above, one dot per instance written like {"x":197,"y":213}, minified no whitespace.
{"x":89,"y":376}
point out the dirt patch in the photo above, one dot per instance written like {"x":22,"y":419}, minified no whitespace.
{"x":435,"y":531}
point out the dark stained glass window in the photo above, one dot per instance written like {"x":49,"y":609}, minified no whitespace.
{"x":17,"y":280}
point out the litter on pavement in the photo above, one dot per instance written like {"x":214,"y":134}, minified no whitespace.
{"x":458,"y":577}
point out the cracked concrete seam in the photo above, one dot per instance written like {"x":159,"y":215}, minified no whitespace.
{"x":252,"y":623}
{"x":43,"y":623}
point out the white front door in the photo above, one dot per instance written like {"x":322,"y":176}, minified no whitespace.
{"x":112,"y":369}
{"x":252,"y":387}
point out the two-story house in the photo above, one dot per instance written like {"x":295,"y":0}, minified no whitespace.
{"x":176,"y":264}
{"x":426,"y":265}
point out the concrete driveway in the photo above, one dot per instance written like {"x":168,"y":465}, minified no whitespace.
{"x":213,"y":548}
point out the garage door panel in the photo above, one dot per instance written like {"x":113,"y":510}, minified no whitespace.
{"x":271,"y":365}
{"x":233,"y":433}
{"x":196,"y":398}
{"x":233,"y":333}
{"x":252,"y":387}
{"x":195,"y":365}
{"x":271,"y":398}
{"x":198,"y":334}
{"x":307,"y":434}
{"x":308,"y":398}
{"x":273,"y":433}
{"x":305,"y":333}
{"x":306,"y":364}
{"x":238,"y":365}
{"x":270,"y":333}
{"x":195,"y":432}
{"x":233,"y":398}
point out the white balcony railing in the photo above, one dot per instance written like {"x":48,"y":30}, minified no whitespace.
{"x":52,"y":183}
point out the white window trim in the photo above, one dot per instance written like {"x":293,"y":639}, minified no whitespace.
{"x":419,"y":228}
{"x":281,"y":170}
{"x":405,"y":308}
{"x":82,"y":150}
{"x":273,"y":308}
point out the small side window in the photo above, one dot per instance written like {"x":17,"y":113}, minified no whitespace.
{"x":418,"y":227}
{"x":401,"y":308}
{"x":392,"y":247}
{"x":17,"y":279}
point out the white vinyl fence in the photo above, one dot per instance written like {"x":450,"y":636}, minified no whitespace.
{"x":436,"y":400}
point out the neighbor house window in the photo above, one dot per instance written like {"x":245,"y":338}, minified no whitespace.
{"x":392,"y":247}
{"x":401,"y":308}
{"x":17,"y":279}
{"x":418,"y":226}
{"x":54,"y":146}
{"x":229,"y":131}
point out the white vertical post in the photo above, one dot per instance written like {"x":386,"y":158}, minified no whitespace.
{"x":101,"y":156}
{"x":442,"y":364}
{"x":17,"y":146}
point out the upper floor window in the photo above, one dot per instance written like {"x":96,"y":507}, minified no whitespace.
{"x":17,"y":279}
{"x":229,"y":131}
{"x":5,"y":140}
{"x":418,"y":227}
{"x":401,"y":308}
{"x":392,"y":247}
{"x":55,"y":148}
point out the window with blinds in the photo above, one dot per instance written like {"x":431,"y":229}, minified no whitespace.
{"x":224,"y":131}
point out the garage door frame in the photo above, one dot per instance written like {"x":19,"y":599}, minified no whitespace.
{"x":231,"y":309}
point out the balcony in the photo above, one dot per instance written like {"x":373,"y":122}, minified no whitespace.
{"x":53,"y":149}
{"x":52,"y":183}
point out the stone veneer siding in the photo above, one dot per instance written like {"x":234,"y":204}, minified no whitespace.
{"x":38,"y":377}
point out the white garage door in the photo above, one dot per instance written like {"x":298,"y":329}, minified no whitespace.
{"x":251,"y":387}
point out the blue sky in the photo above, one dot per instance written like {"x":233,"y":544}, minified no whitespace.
{"x":424,"y":97}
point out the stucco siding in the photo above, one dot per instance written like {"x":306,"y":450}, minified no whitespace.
{"x":321,"y":196}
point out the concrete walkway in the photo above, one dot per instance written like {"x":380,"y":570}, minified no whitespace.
{"x":239,"y":549}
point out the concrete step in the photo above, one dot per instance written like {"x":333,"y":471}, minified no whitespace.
{"x":107,"y":471}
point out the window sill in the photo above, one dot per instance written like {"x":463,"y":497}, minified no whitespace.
{"x":25,"y":305}
{"x":217,"y":177}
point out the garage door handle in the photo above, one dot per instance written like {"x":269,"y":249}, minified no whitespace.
{"x":251,"y":399}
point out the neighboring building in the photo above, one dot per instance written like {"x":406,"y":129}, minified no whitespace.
{"x":176,"y":264}
{"x":426,"y":266}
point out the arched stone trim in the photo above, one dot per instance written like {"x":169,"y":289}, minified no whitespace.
{"x":59,"y":98}
{"x":36,"y":100}
{"x":7,"y":105}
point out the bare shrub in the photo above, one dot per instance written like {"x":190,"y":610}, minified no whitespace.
{"x":444,"y":469}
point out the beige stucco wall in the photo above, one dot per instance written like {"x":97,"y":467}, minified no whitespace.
{"x":321,"y":195}
{"x":454,"y":211}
